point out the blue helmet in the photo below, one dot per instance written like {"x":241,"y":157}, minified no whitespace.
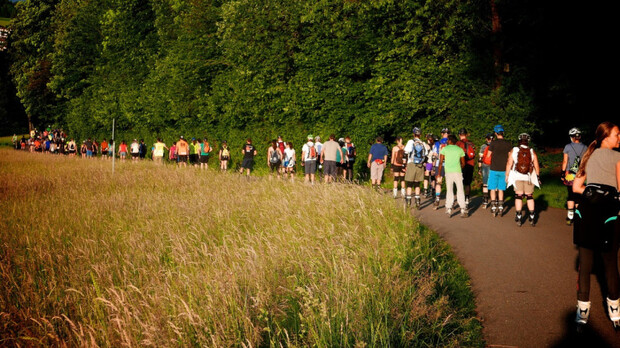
{"x":498,"y":128}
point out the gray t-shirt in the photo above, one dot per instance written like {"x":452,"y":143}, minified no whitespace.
{"x":601,"y":167}
{"x":331,"y":148}
{"x":573,"y":150}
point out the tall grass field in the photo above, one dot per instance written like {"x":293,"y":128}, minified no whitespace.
{"x":165,"y":256}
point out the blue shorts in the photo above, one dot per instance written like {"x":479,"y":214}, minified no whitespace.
{"x":497,"y":180}
{"x":89,"y":153}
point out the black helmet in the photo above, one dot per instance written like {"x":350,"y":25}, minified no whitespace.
{"x":463,"y":131}
{"x":524,"y":137}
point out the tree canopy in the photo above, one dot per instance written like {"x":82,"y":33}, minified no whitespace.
{"x":260,"y":68}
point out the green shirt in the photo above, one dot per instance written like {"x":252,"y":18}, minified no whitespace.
{"x":452,"y":154}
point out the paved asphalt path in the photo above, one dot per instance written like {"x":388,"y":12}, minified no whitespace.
{"x":524,"y":278}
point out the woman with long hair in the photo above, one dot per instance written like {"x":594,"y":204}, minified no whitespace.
{"x":596,"y":225}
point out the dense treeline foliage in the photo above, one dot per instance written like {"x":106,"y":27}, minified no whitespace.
{"x":232,"y":69}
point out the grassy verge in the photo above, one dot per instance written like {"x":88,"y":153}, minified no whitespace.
{"x":158,"y":256}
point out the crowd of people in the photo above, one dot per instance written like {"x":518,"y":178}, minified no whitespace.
{"x":420,"y":168}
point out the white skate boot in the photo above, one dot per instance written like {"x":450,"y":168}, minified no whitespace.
{"x":583,"y":312}
{"x":614,"y":312}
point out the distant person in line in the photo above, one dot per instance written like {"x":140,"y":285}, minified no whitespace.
{"x":143,"y":149}
{"x":428,"y":166}
{"x":498,"y":150}
{"x":83,"y":149}
{"x":417,"y":153}
{"x":398,"y":168}
{"x":453,"y":157}
{"x":319,"y":149}
{"x":330,"y":152}
{"x":224,"y":156}
{"x":522,"y":172}
{"x":282,"y":146}
{"x":205,"y":153}
{"x":274,"y":158}
{"x":377,"y":159}
{"x":309,"y":156}
{"x":439,"y":175}
{"x":341,"y":160}
{"x":470,"y":161}
{"x":351,"y":155}
{"x":194,"y":152}
{"x":122,"y":150}
{"x":135,"y":150}
{"x":289,"y":160}
{"x":104,"y":149}
{"x":484,"y":163}
{"x":596,"y":224}
{"x":159,"y":149}
{"x":172,"y":154}
{"x":572,"y":155}
{"x":72,"y":147}
{"x":248,"y":151}
{"x":182,"y":152}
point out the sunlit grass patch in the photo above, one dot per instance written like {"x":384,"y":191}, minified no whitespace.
{"x":162,"y":256}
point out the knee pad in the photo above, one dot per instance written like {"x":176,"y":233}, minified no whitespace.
{"x":518,"y":196}
{"x":409,"y":183}
{"x":529,"y":197}
{"x":427,"y":177}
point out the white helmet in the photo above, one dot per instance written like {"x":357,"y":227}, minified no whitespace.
{"x":574,"y":132}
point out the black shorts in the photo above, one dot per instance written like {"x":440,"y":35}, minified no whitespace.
{"x":247,"y":163}
{"x":349,"y":164}
{"x":468,"y":174}
{"x":193,"y":158}
{"x":398,"y":169}
{"x":182,"y":158}
{"x":204,"y":159}
{"x":135,"y":155}
{"x":274,"y":166}
{"x":104,"y":152}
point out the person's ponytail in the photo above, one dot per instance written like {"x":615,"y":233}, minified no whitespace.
{"x":582,"y":167}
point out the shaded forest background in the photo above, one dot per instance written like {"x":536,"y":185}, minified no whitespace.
{"x":259,"y":68}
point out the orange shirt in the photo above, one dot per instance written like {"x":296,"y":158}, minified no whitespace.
{"x":182,"y":148}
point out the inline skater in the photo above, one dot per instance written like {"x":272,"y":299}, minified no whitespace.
{"x":439,"y":145}
{"x":417,"y":153}
{"x":572,"y":155}
{"x":453,"y":157}
{"x":398,"y":169}
{"x":596,"y":227}
{"x":522,"y":171}
{"x":470,"y":161}
{"x":428,"y":167}
{"x":498,"y":150}
{"x":484,"y":163}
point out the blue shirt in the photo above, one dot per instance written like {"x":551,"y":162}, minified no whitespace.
{"x":378,"y":151}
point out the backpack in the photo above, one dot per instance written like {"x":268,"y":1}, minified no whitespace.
{"x":419,"y":153}
{"x":574,"y":168}
{"x":225,"y":154}
{"x":486,"y":158}
{"x":524,"y":163}
{"x":312,"y":152}
{"x":398,"y":159}
{"x":351,"y":151}
{"x":275,"y":156}
{"x":470,"y":151}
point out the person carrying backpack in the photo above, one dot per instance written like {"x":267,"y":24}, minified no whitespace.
{"x":398,"y":167}
{"x":416,"y":152}
{"x":522,"y":171}
{"x":224,"y":156}
{"x":274,"y":158}
{"x":470,"y":161}
{"x":309,"y":156}
{"x":484,"y":163}
{"x":329,"y":157}
{"x":289,"y":160}
{"x":572,"y":155}
{"x":205,"y":153}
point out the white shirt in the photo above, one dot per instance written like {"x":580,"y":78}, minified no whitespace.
{"x":135,"y":147}
{"x":306,"y":149}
